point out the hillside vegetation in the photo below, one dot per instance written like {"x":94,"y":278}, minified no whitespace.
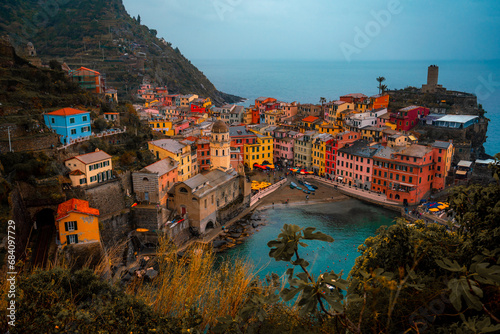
{"x":101,"y":35}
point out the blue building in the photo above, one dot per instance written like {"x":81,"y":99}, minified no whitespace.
{"x":70,"y":124}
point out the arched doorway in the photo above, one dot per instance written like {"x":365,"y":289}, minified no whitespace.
{"x":210,"y":225}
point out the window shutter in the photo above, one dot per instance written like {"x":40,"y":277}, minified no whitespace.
{"x":66,"y":226}
{"x":76,"y":238}
{"x":67,"y":240}
{"x":76,"y":226}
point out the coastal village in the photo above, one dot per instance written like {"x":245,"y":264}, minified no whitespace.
{"x":210,"y":165}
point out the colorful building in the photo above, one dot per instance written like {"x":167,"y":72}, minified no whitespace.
{"x":407,"y":118}
{"x":88,"y":80}
{"x":89,"y":169}
{"x":240,"y":137}
{"x":318,"y":152}
{"x":261,"y":152}
{"x":443,"y":153}
{"x":164,"y":148}
{"x":332,"y":146}
{"x":70,"y":124}
{"x":151,"y":184}
{"x":405,"y":174}
{"x":164,"y":126}
{"x":77,"y":223}
{"x":302,"y":150}
{"x":355,"y":163}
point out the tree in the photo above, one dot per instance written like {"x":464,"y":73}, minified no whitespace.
{"x":495,"y":167}
{"x":380,"y":86}
{"x":139,"y":19}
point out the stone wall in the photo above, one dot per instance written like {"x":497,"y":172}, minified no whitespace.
{"x":36,"y":142}
{"x":146,"y":217}
{"x":114,"y":229}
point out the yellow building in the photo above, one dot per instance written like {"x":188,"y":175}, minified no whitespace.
{"x":149,"y":103}
{"x":185,"y":100}
{"x":273,"y":117}
{"x":90,"y":168}
{"x":163,"y":126}
{"x":318,"y":153}
{"x":370,"y":133}
{"x":335,"y":110}
{"x":260,"y":152}
{"x":77,"y":223}
{"x":330,"y":129}
{"x":181,"y":153}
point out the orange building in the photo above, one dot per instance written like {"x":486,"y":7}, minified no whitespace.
{"x":443,"y":152}
{"x":379,"y":101}
{"x":406,"y":174}
{"x":77,"y":223}
{"x":88,"y":79}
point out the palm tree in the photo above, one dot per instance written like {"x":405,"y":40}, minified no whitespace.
{"x":383,"y":88}
{"x":380,"y":80}
{"x":322,"y":100}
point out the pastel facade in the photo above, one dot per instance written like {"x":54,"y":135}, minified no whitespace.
{"x":355,"y":163}
{"x":70,"y":124}
{"x":77,"y":223}
{"x":332,"y":146}
{"x":318,"y":153}
{"x":170,"y":148}
{"x":302,"y":150}
{"x":164,"y":126}
{"x":89,"y":169}
{"x":259,"y":153}
{"x":151,"y":184}
{"x":405,"y":174}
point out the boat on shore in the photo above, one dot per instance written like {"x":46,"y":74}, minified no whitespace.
{"x":293,"y":185}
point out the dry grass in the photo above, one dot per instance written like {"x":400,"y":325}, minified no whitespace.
{"x":195,"y":281}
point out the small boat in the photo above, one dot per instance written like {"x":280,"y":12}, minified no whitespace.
{"x":299,"y":188}
{"x":293,"y":185}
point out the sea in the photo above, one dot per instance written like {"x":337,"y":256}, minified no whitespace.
{"x":307,"y":81}
{"x":349,"y":222}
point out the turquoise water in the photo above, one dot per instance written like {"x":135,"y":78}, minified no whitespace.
{"x":348,"y":222}
{"x":307,"y":81}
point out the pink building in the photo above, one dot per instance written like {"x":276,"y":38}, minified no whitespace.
{"x":179,"y":127}
{"x":283,"y":150}
{"x":332,"y":147}
{"x":355,"y":163}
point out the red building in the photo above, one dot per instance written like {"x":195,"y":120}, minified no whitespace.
{"x":203,"y":153}
{"x":407,"y":118}
{"x":406,"y":174}
{"x":169,"y":100}
{"x":353,"y":98}
{"x":240,"y":137}
{"x":332,"y":146}
{"x":197,"y":108}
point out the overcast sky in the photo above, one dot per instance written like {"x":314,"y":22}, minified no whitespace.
{"x":326,"y":29}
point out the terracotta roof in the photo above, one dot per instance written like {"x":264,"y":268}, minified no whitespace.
{"x":310,"y":119}
{"x":91,"y":157}
{"x":87,"y":69}
{"x":75,"y":205}
{"x":67,"y":112}
{"x":77,"y":172}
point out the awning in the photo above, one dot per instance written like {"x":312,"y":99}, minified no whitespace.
{"x":461,"y":172}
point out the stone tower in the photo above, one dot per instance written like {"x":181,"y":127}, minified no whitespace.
{"x":220,"y":146}
{"x":432,"y":75}
{"x":432,"y":81}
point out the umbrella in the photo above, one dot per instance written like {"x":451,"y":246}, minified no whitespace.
{"x":434,"y":210}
